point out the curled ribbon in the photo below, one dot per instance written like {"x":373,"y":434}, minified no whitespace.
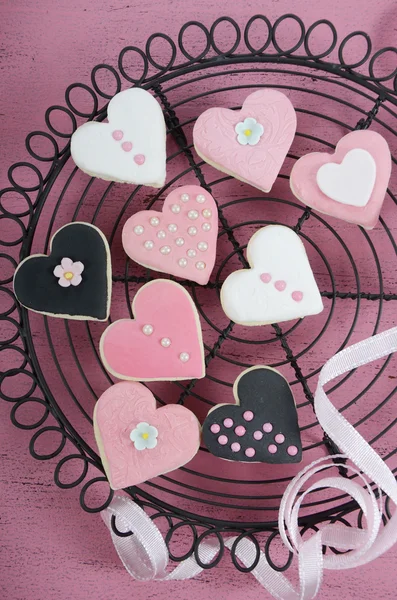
{"x":145,"y":554}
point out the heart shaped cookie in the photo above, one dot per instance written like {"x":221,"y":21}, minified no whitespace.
{"x":163,"y":342}
{"x":351,"y":183}
{"x":137,"y":442}
{"x":74,"y":281}
{"x":263,"y":424}
{"x":250,"y":144}
{"x":280,"y":285}
{"x":180,"y":240}
{"x":130,"y":148}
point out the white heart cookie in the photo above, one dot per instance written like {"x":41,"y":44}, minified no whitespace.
{"x":280,"y":285}
{"x":350,"y":182}
{"x":130,"y":148}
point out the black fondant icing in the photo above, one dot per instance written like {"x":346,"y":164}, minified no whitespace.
{"x":267,"y":394}
{"x":37,"y":288}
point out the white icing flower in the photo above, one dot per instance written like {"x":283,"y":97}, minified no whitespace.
{"x":69,"y":272}
{"x":249,"y":132}
{"x":144,"y":436}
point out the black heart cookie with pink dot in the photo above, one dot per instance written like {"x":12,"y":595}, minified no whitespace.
{"x":263,"y":424}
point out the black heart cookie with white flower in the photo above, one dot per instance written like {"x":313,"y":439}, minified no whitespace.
{"x":263,"y":424}
{"x":74,"y":281}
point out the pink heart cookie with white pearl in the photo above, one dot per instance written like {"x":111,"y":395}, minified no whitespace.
{"x":163,"y":341}
{"x":250,"y":144}
{"x":180,"y":240}
{"x":137,"y":442}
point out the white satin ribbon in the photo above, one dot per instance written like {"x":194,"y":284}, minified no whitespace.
{"x":145,"y":555}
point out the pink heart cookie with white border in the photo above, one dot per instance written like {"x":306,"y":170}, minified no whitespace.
{"x":351,"y":183}
{"x":180,"y":240}
{"x":163,"y":341}
{"x":137,"y":442}
{"x":250,"y":144}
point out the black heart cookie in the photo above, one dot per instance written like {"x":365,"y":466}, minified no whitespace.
{"x":263,"y":424}
{"x":74,"y":281}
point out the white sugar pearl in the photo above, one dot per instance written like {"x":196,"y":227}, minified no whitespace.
{"x":191,"y":253}
{"x":165,"y":249}
{"x":206,"y":226}
{"x":184,"y":356}
{"x":192,"y":231}
{"x":161,"y":234}
{"x":200,"y":198}
{"x":138,"y":229}
{"x":192,"y":214}
{"x":185,"y":197}
{"x":207,"y":213}
{"x":147,"y":329}
{"x":179,"y":241}
{"x":154,"y":221}
{"x":176,"y":209}
{"x":165,"y":342}
{"x":203,"y":246}
{"x":149,"y":245}
{"x":182,"y":262}
{"x":200,"y":265}
{"x":172,"y":227}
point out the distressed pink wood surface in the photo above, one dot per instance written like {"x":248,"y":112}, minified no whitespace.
{"x":50,"y":548}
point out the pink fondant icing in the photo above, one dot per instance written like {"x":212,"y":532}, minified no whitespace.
{"x":118,"y":412}
{"x":222,"y":439}
{"x":297,"y":296}
{"x":266,"y":277}
{"x":178,"y":261}
{"x":280,"y":285}
{"x":126,"y":146}
{"x":139,"y":159}
{"x":250,"y":452}
{"x":292,"y":450}
{"x":215,"y":138}
{"x":215,"y":428}
{"x":129,"y":354}
{"x":240,"y":430}
{"x":304,"y":183}
{"x":280,"y":438}
{"x":228,"y":422}
{"x":117,"y":135}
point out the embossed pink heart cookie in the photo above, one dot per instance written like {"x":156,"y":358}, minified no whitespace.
{"x":250,"y":144}
{"x":163,"y":342}
{"x":351,"y":183}
{"x":137,"y":442}
{"x":180,"y":240}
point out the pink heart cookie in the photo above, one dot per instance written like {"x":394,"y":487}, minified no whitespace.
{"x":163,"y":342}
{"x":137,"y":442}
{"x":355,"y":178}
{"x":250,"y":144}
{"x":180,"y":240}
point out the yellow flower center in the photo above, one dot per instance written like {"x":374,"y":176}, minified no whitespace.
{"x":68,"y":275}
{"x":248,"y":132}
{"x":145,"y":436}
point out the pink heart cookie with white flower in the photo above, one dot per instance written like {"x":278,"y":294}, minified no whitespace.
{"x":163,"y":341}
{"x":137,"y":442}
{"x":250,"y":144}
{"x":180,"y":240}
{"x":351,"y":183}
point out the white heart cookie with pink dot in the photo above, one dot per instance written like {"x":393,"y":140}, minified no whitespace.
{"x":130,"y":148}
{"x":280,"y":285}
{"x":180,"y":240}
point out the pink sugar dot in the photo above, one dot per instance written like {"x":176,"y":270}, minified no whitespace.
{"x":228,"y":422}
{"x":215,"y":428}
{"x":139,"y":159}
{"x":248,"y":415}
{"x":240,"y":430}
{"x":297,"y":296}
{"x":126,"y":146}
{"x":267,"y":428}
{"x":272,"y":448}
{"x":265,"y":277}
{"x":117,"y":135}
{"x":280,"y":285}
{"x":280,"y":438}
{"x":292,"y":450}
{"x":222,"y":439}
{"x":258,"y":435}
{"x":250,"y":452}
{"x":235,"y":447}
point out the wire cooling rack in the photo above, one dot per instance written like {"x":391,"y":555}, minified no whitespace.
{"x":55,"y":365}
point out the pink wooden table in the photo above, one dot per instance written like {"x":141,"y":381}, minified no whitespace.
{"x":49,"y":547}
